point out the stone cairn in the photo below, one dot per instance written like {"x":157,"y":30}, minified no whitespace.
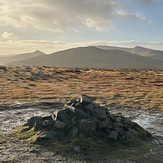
{"x":84,"y":116}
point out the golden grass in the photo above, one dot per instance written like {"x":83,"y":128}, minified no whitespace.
{"x":121,"y":88}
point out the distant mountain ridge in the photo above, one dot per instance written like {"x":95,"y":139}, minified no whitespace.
{"x":146,"y":52}
{"x":94,"y":57}
{"x":19,"y":57}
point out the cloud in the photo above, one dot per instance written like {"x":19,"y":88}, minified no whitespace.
{"x":149,"y":2}
{"x":137,"y":16}
{"x":59,"y":16}
{"x":25,"y":46}
{"x":8,"y":36}
{"x":22,"y":46}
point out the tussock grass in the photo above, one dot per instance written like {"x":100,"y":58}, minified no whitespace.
{"x":140,"y":88}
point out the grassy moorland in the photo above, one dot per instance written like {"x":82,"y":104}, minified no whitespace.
{"x":121,"y":89}
{"x":139,"y":89}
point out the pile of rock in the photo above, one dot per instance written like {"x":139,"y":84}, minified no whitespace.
{"x":83,"y":116}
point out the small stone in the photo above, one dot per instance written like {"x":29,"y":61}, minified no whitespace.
{"x":65,"y":116}
{"x":81,"y":114}
{"x":126,"y":128}
{"x":110,"y":126}
{"x":74,"y":131}
{"x":113,"y":117}
{"x":88,"y":125}
{"x":118,"y":127}
{"x":99,"y":113}
{"x":95,"y":105}
{"x":129,"y":123}
{"x":113,"y":136}
{"x":48,"y":123}
{"x":45,"y":135}
{"x":72,"y":102}
{"x":35,"y":122}
{"x":89,"y":106}
{"x":104,"y":123}
{"x":59,"y":124}
{"x":84,"y":99}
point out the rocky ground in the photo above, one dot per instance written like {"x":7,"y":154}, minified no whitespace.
{"x":30,"y":91}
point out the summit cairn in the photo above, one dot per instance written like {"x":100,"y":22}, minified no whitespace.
{"x":84,"y":118}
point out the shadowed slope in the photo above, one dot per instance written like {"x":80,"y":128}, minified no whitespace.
{"x":146,"y":52}
{"x":17,"y":58}
{"x":92,"y":57}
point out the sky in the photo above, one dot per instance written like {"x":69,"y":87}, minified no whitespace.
{"x":54,"y":25}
